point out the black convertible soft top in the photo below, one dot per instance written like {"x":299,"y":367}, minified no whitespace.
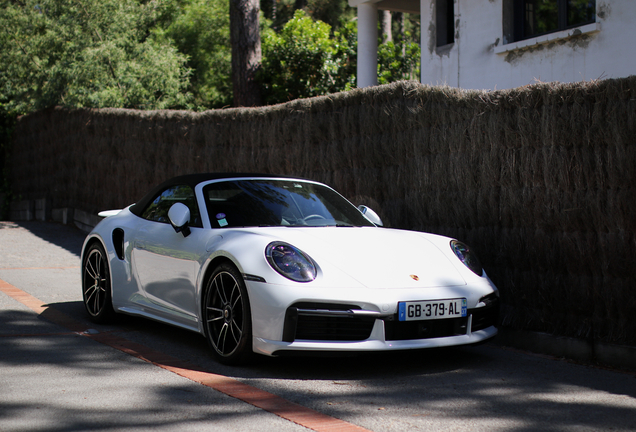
{"x":192,"y":180}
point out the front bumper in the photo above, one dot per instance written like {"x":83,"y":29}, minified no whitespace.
{"x":338,"y":327}
{"x":267,"y":347}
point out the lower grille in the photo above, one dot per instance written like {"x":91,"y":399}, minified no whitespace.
{"x":316,"y":327}
{"x":486,"y":316}
{"x":427,"y":329}
{"x":333,"y":329}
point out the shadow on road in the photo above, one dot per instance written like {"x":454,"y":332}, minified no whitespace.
{"x":484,"y":383}
{"x":65,"y":236}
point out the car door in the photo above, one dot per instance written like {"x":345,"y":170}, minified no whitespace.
{"x":166,"y":262}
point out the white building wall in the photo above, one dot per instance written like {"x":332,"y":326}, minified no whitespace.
{"x":479,"y":59}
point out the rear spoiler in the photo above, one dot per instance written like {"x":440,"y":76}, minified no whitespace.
{"x":107,"y":213}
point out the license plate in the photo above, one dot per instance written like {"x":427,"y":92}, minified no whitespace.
{"x":431,"y":309}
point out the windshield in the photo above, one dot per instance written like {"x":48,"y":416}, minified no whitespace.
{"x":244,"y":203}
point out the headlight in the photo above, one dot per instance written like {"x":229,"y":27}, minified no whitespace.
{"x":291,"y":262}
{"x":466,"y":256}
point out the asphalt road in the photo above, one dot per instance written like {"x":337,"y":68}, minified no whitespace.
{"x":59,"y":372}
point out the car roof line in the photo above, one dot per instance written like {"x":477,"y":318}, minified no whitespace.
{"x":194,"y":179}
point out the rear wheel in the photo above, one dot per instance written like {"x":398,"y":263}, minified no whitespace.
{"x":96,"y":285}
{"x":227,"y":315}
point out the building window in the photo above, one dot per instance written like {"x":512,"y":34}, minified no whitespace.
{"x":445,"y":21}
{"x":531,"y":18}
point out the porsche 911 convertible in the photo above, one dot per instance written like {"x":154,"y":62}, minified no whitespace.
{"x":272,"y":265}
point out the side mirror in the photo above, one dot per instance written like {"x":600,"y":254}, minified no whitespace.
{"x":179,"y":215}
{"x":370,"y":215}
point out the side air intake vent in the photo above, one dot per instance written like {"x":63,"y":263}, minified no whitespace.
{"x":118,"y":242}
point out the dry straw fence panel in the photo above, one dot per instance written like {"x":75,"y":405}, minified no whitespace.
{"x":540,"y":180}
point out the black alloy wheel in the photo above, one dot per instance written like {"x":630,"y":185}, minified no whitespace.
{"x":227,"y":315}
{"x":96,"y":285}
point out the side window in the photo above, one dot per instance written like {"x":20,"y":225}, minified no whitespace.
{"x":158,"y":209}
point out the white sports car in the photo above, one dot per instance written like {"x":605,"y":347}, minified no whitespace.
{"x":271,"y":265}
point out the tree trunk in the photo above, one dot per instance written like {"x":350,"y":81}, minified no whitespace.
{"x":385,"y":25}
{"x":246,"y":51}
{"x":402,"y":24}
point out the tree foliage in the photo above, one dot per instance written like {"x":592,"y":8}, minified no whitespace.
{"x":399,"y":59}
{"x":306,"y":58}
{"x":200,"y":29}
{"x":397,"y":62}
{"x":333,"y":12}
{"x":303,"y":60}
{"x":86,"y":53}
{"x":154,"y":54}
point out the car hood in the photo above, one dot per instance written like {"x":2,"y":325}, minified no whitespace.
{"x":377,"y":257}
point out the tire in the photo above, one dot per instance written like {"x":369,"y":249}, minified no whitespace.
{"x":96,"y":288}
{"x":227,"y":316}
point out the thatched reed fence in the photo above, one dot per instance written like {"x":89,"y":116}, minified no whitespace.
{"x":540,"y":180}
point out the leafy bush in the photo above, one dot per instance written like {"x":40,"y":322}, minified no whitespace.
{"x":93,"y":53}
{"x":396,"y":63}
{"x":303,"y":60}
{"x":200,"y":29}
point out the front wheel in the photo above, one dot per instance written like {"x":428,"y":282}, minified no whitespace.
{"x":227,"y":316}
{"x":96,"y":285}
